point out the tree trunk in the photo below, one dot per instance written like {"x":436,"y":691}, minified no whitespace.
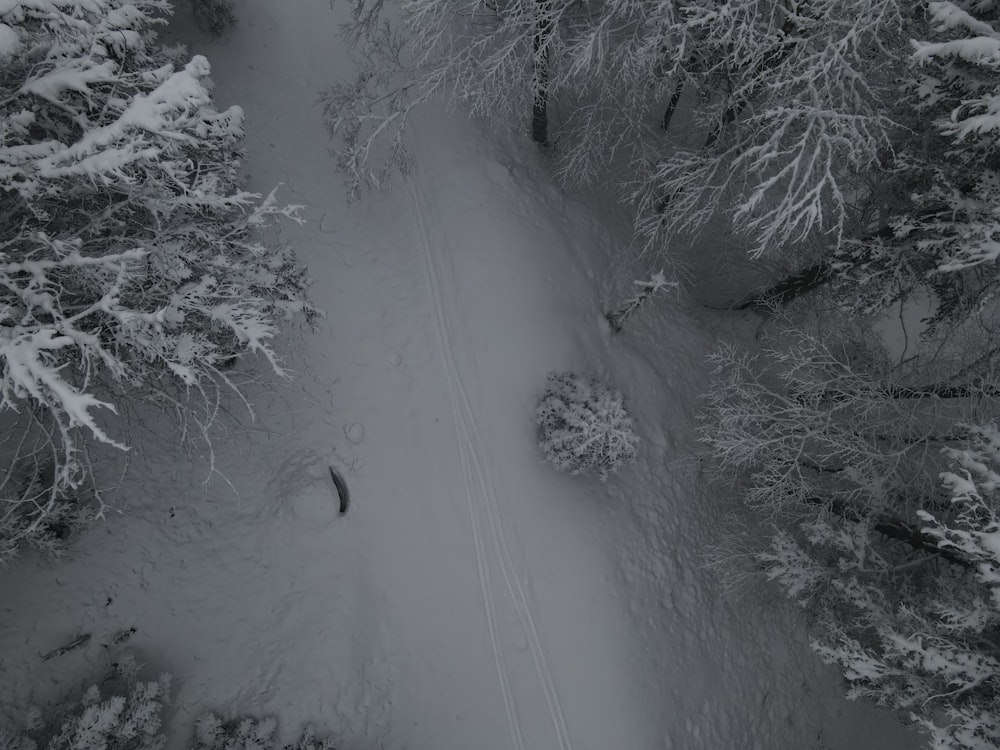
{"x":895,"y":528}
{"x":918,"y":540}
{"x":771,"y":61}
{"x":794,"y":286}
{"x":540,"y":105}
{"x":728,"y":117}
{"x":734,"y":109}
{"x":940,"y":390}
{"x":668,"y":113}
{"x":788,"y":289}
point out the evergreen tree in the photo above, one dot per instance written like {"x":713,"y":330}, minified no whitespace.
{"x":131,"y":270}
{"x":913,"y":630}
{"x":939,"y":233}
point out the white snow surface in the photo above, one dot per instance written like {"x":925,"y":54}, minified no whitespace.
{"x":9,"y":40}
{"x":472,"y":597}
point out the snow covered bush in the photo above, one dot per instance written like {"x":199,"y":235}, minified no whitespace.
{"x":212,"y":733}
{"x":133,"y":269}
{"x":119,"y":713}
{"x":583,"y":426}
{"x":213,"y":16}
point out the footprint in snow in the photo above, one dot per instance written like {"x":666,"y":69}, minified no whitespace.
{"x":355,"y":433}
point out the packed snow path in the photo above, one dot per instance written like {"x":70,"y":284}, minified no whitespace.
{"x":481,"y":495}
{"x":472,"y":597}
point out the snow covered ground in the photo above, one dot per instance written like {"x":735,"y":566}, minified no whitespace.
{"x":472,"y":597}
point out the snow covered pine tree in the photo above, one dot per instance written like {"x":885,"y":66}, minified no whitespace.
{"x":212,"y":733}
{"x":938,"y":236}
{"x":913,"y":630}
{"x":130,"y":271}
{"x":898,"y":577}
{"x":119,"y":712}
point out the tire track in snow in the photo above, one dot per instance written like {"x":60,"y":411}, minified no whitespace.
{"x":482,"y":563}
{"x":470,"y":447}
{"x":513,"y":582}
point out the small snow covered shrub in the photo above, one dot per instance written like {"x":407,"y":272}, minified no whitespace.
{"x":646,"y":291}
{"x":41,"y":514}
{"x":213,"y":16}
{"x":132,"y":269}
{"x":212,"y":733}
{"x":120,"y":713}
{"x":583,"y":426}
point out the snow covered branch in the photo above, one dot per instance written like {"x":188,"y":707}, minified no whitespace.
{"x":133,"y":269}
{"x":821,"y":423}
{"x":646,"y":290}
{"x":910,"y":618}
{"x":802,"y":117}
{"x":939,"y":222}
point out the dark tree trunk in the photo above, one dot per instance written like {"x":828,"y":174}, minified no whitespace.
{"x":770,"y":62}
{"x":788,"y":289}
{"x":728,"y":118}
{"x":895,"y":528}
{"x":540,"y":113}
{"x":668,"y":113}
{"x":540,"y":106}
{"x":734,"y":109}
{"x":918,"y":540}
{"x":794,"y":286}
{"x":940,"y":390}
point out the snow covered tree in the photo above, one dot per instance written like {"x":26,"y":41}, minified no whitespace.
{"x":913,"y":630}
{"x":367,"y":117}
{"x":830,"y":142}
{"x":119,"y":712}
{"x":924,"y":216}
{"x":583,"y":426}
{"x":132,"y":270}
{"x":499,"y":59}
{"x":608,"y":64}
{"x":826,"y":423}
{"x":939,"y":235}
{"x":212,"y":733}
{"x":802,"y":114}
{"x":844,"y":456}
{"x":796,"y":100}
